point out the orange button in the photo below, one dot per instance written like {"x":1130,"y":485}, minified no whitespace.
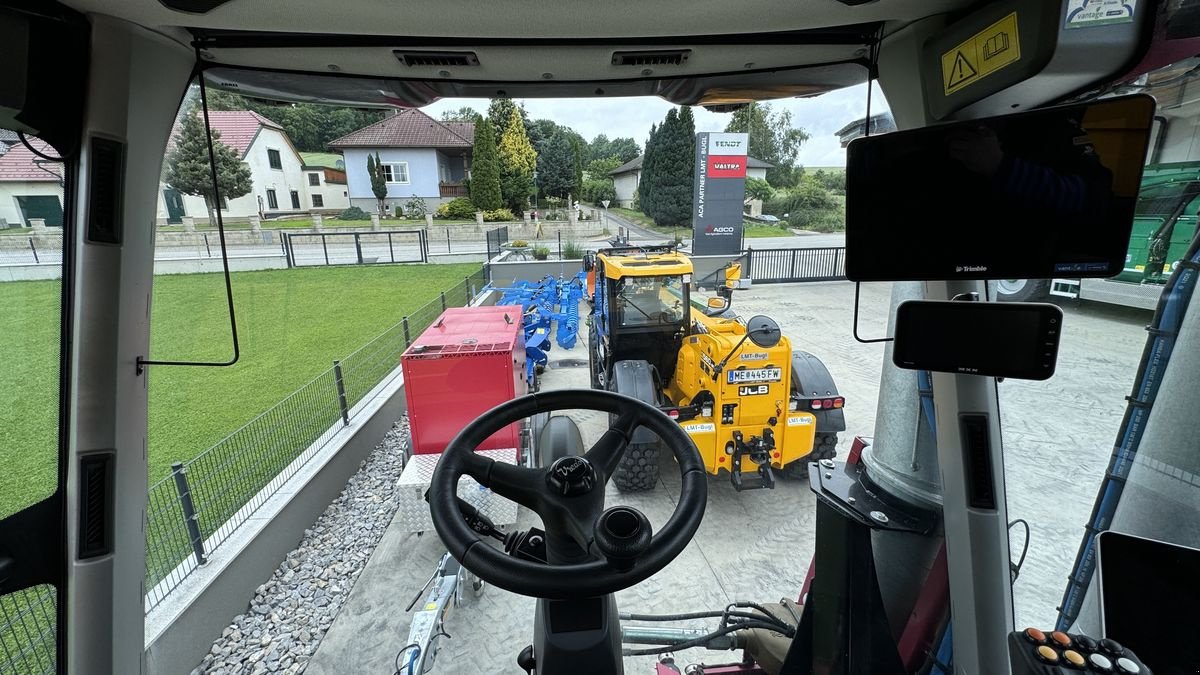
{"x":1047,"y":654}
{"x":1061,"y":638}
{"x":1074,"y":658}
{"x":1035,"y":635}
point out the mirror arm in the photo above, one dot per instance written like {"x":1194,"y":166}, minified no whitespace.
{"x":721,"y":365}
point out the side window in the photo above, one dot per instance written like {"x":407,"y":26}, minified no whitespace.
{"x":272,"y":200}
{"x":274,"y":160}
{"x":314,"y":179}
{"x":31,"y":292}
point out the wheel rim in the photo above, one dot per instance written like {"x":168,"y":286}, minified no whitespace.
{"x":1011,"y":286}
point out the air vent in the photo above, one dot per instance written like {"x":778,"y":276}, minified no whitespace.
{"x":440,"y":59}
{"x":95,"y":505}
{"x":658,"y":57}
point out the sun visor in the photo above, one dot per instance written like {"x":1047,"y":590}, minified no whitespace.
{"x":1015,"y":55}
{"x":359,"y":91}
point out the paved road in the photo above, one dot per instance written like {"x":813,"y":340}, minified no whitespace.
{"x":756,"y":545}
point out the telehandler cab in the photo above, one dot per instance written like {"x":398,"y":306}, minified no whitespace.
{"x":746,"y":398}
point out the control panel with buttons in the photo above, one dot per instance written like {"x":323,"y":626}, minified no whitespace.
{"x":1036,"y":652}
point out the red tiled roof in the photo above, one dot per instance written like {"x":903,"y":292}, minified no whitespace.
{"x":409,"y":129}
{"x":239,"y":127}
{"x":18,"y":163}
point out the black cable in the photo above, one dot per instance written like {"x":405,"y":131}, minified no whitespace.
{"x":25,"y":142}
{"x":1016,"y":568}
{"x":212,"y":165}
{"x":396,"y":661}
{"x":712,"y":614}
{"x":697,"y":642}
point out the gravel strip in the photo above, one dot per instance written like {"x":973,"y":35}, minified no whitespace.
{"x":290,"y":613}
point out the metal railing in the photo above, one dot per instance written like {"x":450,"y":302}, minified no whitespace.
{"x":17,"y":249}
{"x":495,"y":239}
{"x":28,"y":620}
{"x":785,"y":265}
{"x":194,"y":509}
{"x":356,"y":248}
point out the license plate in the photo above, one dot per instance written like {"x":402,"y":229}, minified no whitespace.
{"x":755,"y":375}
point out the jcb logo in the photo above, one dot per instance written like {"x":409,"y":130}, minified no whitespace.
{"x":753,"y":390}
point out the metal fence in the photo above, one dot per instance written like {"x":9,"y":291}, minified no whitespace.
{"x":783,"y":265}
{"x":356,"y":248}
{"x":495,"y":239}
{"x":31,"y":250}
{"x":27,"y":631}
{"x":195,"y":509}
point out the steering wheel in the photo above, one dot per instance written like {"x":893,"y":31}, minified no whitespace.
{"x":591,"y":551}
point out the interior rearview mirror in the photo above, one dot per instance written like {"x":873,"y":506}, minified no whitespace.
{"x":763,"y":331}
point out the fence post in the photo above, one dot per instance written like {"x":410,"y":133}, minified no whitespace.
{"x":341,"y":391}
{"x":470,"y":290}
{"x":443,"y":301}
{"x":560,"y":244}
{"x":189,"y":512}
{"x":407,"y":339}
{"x":447,"y":239}
{"x":391,"y":249}
{"x":34,"y":249}
{"x":207,"y":248}
{"x":358,"y":248}
{"x":325,"y":248}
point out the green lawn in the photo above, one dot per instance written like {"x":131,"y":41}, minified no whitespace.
{"x":753,"y":230}
{"x":292,"y":325}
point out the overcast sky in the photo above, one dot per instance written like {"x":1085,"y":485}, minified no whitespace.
{"x":616,"y":117}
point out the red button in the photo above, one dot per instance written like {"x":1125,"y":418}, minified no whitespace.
{"x":1035,"y":635}
{"x":1061,"y":638}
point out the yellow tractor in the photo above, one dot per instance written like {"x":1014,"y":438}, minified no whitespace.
{"x":750,"y":403}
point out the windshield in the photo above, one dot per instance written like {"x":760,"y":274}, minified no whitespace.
{"x":650,"y":301}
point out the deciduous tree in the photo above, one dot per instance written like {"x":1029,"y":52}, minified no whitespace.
{"x":772,"y":139}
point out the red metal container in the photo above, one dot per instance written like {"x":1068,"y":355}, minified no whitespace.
{"x":470,"y":360}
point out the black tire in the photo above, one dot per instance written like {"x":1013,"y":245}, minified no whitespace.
{"x":1022,"y":290}
{"x":638,"y":469}
{"x":824,"y":447}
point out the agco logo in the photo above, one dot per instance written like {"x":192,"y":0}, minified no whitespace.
{"x":718,"y":230}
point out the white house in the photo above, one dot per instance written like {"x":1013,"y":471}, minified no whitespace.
{"x":628,"y":176}
{"x":325,"y":173}
{"x":421,"y":157}
{"x":30,"y":187}
{"x":280,"y":186}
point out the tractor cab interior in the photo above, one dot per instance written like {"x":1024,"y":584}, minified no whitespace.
{"x":894,"y":553}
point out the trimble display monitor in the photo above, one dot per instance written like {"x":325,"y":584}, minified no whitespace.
{"x":1042,"y":194}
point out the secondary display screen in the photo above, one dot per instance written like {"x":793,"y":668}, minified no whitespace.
{"x":1034,"y":195}
{"x":1012,"y":339}
{"x":1149,"y":594}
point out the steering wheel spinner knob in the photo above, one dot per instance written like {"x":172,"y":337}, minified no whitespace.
{"x":622,"y":534}
{"x":571,"y":476}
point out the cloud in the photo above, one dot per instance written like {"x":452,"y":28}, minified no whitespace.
{"x":614,"y":117}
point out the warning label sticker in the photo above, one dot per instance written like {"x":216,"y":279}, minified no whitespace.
{"x":982,"y":54}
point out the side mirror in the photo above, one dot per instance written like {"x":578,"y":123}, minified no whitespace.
{"x":716,"y":303}
{"x":763,"y":331}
